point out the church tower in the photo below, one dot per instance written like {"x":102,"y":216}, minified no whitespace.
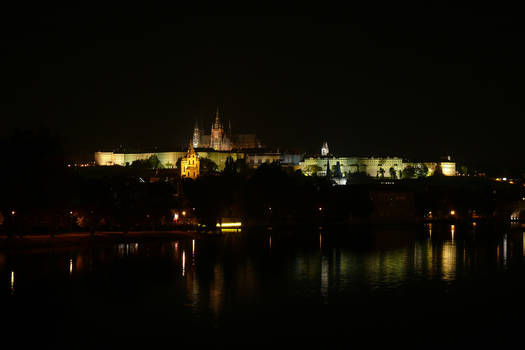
{"x":217,"y":132}
{"x":324,"y":150}
{"x":196,"y":136}
{"x":190,"y":164}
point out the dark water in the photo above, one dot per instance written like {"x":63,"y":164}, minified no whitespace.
{"x":441,"y":286}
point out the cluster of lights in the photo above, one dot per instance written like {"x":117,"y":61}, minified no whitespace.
{"x":176,"y":215}
{"x":504,"y":179}
{"x":81,"y":165}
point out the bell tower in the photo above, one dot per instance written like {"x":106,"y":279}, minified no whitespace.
{"x":196,"y":136}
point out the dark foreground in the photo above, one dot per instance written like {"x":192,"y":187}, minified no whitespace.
{"x":419,"y":287}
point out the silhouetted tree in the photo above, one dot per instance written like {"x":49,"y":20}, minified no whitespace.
{"x":392,"y":172}
{"x":207,"y":166}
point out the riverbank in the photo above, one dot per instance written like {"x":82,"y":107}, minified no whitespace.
{"x":83,"y":238}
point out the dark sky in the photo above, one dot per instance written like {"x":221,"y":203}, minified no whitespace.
{"x":415,"y":81}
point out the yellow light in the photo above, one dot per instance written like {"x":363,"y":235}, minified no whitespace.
{"x":230,"y":224}
{"x":13,"y":212}
{"x":12,"y":281}
{"x":320,"y":209}
{"x":183,"y":213}
{"x":70,"y":266}
{"x":230,"y":230}
{"x":474,"y":224}
{"x":452,"y":212}
{"x":183,"y":262}
{"x":176,"y":217}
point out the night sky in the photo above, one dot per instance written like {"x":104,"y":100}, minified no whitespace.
{"x":414,"y":81}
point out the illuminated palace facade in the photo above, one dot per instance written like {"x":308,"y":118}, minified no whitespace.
{"x":383,"y":167}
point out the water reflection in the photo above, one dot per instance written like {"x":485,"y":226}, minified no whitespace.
{"x":243,"y":270}
{"x":183,"y":262}
{"x":12,"y":284}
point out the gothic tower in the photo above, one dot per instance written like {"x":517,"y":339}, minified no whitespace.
{"x":217,"y":132}
{"x":196,"y":136}
{"x":324,"y":149}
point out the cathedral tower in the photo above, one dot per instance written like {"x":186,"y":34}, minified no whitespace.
{"x":217,"y":132}
{"x":196,"y":136}
{"x":324,"y":150}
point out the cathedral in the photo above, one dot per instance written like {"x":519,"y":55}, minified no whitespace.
{"x":219,"y":140}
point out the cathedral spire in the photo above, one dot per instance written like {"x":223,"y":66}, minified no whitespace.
{"x":217,"y":123}
{"x":196,"y":135}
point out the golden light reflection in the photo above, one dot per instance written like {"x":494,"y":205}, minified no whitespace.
{"x":193,"y":252}
{"x":12,"y":285}
{"x":183,"y":263}
{"x":230,"y":230}
{"x":70,"y":267}
{"x":430,"y":230}
{"x":452,"y":231}
{"x":320,"y":241}
{"x":448,"y":261}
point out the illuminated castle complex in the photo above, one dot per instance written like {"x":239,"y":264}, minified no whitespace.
{"x":218,"y":140}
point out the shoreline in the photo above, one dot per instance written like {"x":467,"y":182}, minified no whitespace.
{"x":83,"y":238}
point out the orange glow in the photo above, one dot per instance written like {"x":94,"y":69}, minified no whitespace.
{"x":452,"y":212}
{"x":13,"y":212}
{"x":183,"y":213}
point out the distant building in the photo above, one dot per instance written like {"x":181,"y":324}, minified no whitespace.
{"x":219,"y":140}
{"x":167,"y":159}
{"x":324,"y":150}
{"x":189,"y":165}
{"x":254,"y":160}
{"x":376,"y":167}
